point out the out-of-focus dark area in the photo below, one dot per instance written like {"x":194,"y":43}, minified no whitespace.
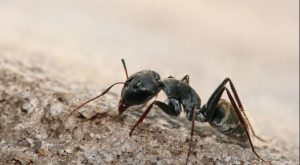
{"x":255,"y":43}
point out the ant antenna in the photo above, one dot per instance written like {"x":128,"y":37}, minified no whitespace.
{"x":103,"y":93}
{"x":81,"y":105}
{"x":125,"y":68}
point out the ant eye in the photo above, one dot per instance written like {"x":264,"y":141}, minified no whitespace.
{"x":137,"y":85}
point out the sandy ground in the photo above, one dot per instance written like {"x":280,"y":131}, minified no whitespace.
{"x":55,"y":54}
{"x":34,"y":103}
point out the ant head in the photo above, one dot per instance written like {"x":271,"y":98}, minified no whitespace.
{"x":139,"y":88}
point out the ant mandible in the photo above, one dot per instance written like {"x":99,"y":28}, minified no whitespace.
{"x":228,"y":117}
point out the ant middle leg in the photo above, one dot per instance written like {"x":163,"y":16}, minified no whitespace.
{"x":172,"y":108}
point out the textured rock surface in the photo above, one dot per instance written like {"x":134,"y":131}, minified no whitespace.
{"x":34,"y":103}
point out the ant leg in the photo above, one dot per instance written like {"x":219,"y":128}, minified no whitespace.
{"x":209,"y":109}
{"x":186,"y":79}
{"x":81,"y":105}
{"x":192,"y":133}
{"x":173,"y":108}
{"x":141,"y":118}
{"x":243,"y":122}
{"x":218,"y":89}
{"x":224,"y":82}
{"x":237,"y":98}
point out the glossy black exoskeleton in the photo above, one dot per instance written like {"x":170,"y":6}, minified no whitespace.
{"x":228,"y":117}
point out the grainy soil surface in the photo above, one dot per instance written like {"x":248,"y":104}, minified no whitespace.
{"x":34,"y":102}
{"x":56,"y":54}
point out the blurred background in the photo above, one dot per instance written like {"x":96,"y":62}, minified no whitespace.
{"x":256,"y":43}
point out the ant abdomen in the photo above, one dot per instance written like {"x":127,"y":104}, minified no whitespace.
{"x":226,"y":121}
{"x":228,"y":117}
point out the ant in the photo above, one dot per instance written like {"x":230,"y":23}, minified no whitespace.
{"x":228,"y":117}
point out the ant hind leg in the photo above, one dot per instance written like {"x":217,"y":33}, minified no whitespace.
{"x":237,"y":98}
{"x":239,"y":103}
{"x":243,"y":122}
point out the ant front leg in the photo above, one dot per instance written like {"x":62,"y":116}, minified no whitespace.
{"x":172,"y":108}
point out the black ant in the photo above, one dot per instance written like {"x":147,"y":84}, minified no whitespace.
{"x":228,"y":117}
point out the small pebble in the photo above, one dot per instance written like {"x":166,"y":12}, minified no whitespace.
{"x":87,"y":113}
